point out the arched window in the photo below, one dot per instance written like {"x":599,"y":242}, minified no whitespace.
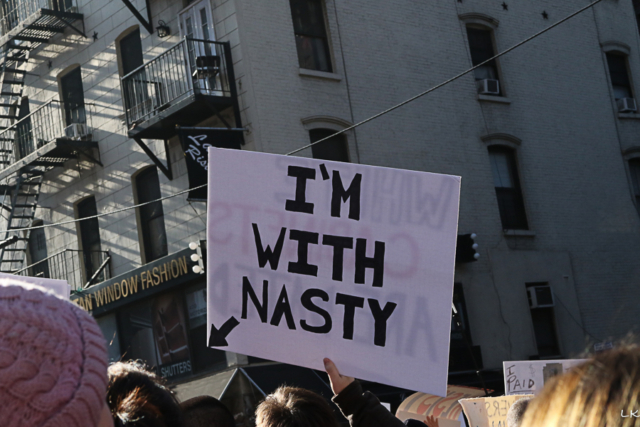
{"x":334,"y":148}
{"x":507,"y":185}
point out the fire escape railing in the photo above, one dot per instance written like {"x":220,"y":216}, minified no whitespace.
{"x":80,"y":269}
{"x":14,"y":12}
{"x":189,"y":67}
{"x":44,"y":125}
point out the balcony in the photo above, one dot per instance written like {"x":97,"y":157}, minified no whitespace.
{"x":80,"y":269}
{"x":41,"y":139}
{"x":36,"y":21}
{"x":190,"y":82}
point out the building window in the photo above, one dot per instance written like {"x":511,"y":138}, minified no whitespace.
{"x":151,"y":216}
{"x":636,"y":10}
{"x":619,"y":74}
{"x":38,"y":252}
{"x":507,"y":184}
{"x":543,"y":317}
{"x":89,"y":237}
{"x":131,"y":52}
{"x":311,"y":35}
{"x":73,"y":97}
{"x":634,"y":169}
{"x":481,"y":49}
{"x":334,"y":148}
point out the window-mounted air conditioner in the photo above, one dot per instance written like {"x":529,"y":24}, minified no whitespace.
{"x":488,"y":87}
{"x":627,"y":105}
{"x":76,"y":131}
{"x":540,"y":296}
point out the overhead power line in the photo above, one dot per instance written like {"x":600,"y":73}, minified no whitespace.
{"x":382,"y":113}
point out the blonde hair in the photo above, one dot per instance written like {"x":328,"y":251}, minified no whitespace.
{"x":604,"y":391}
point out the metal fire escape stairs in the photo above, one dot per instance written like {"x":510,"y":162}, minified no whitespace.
{"x":20,"y":199}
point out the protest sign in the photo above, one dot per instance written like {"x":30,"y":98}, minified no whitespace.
{"x":489,"y":411}
{"x":59,"y":287}
{"x":310,"y":259}
{"x":447,"y":409}
{"x":529,"y":376}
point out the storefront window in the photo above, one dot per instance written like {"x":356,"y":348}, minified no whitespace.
{"x":203,"y":357}
{"x":155,"y":331}
{"x":167,"y":332}
{"x":109,"y":327}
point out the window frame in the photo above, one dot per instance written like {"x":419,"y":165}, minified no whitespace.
{"x":610,"y":54}
{"x":88,"y":260}
{"x":145,"y":244}
{"x":632,"y":163}
{"x":325,"y":39}
{"x":521,"y":223}
{"x":553,"y":321}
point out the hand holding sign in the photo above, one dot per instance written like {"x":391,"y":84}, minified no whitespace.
{"x":338,"y":382}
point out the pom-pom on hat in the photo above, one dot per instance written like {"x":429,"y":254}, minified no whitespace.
{"x":53,"y":360}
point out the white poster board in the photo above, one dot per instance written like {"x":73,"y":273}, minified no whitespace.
{"x":59,"y":287}
{"x":529,"y":376}
{"x":310,"y":259}
{"x":489,"y":411}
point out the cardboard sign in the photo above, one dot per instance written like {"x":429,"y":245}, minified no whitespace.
{"x":489,"y":411}
{"x":529,"y":376}
{"x":310,"y":259}
{"x":59,"y":287}
{"x":447,"y":409}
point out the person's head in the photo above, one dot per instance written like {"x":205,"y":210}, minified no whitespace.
{"x":516,"y":412}
{"x":594,"y":394}
{"x":138,"y":398}
{"x":206,"y":411}
{"x":294,"y":407}
{"x":53,"y":361}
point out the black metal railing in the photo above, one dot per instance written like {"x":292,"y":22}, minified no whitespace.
{"x":50,"y":121}
{"x":79,"y":268}
{"x":189,"y":67}
{"x":16,"y":11}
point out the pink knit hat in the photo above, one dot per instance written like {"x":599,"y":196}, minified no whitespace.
{"x":53,"y":360}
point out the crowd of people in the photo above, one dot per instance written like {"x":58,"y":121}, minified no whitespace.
{"x":54,"y":373}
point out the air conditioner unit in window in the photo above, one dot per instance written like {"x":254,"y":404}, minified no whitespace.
{"x":76,"y":131}
{"x":540,"y":296}
{"x":627,"y":105}
{"x":488,"y":87}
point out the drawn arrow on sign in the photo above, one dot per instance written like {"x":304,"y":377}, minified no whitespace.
{"x":217,"y":338}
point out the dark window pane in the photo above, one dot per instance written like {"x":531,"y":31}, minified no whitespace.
{"x":38,"y":252}
{"x":332,"y":149}
{"x":311,"y":34}
{"x":155,"y":331}
{"x":154,"y":235}
{"x":131,"y":52}
{"x":544,"y":327}
{"x":619,"y":75}
{"x":24,"y":136}
{"x":73,"y":96}
{"x":202,"y":357}
{"x":89,"y":236}
{"x":634,"y":168}
{"x":481,"y":49}
{"x":507,"y":185}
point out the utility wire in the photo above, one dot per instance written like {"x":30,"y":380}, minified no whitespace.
{"x":71,"y":221}
{"x":382,"y":113}
{"x":330,"y":136}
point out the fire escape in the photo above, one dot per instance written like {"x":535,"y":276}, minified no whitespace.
{"x":33,"y":143}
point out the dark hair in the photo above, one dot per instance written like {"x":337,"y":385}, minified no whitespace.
{"x":294,"y":407}
{"x":206,"y":411}
{"x":515,"y":414}
{"x":138,"y":398}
